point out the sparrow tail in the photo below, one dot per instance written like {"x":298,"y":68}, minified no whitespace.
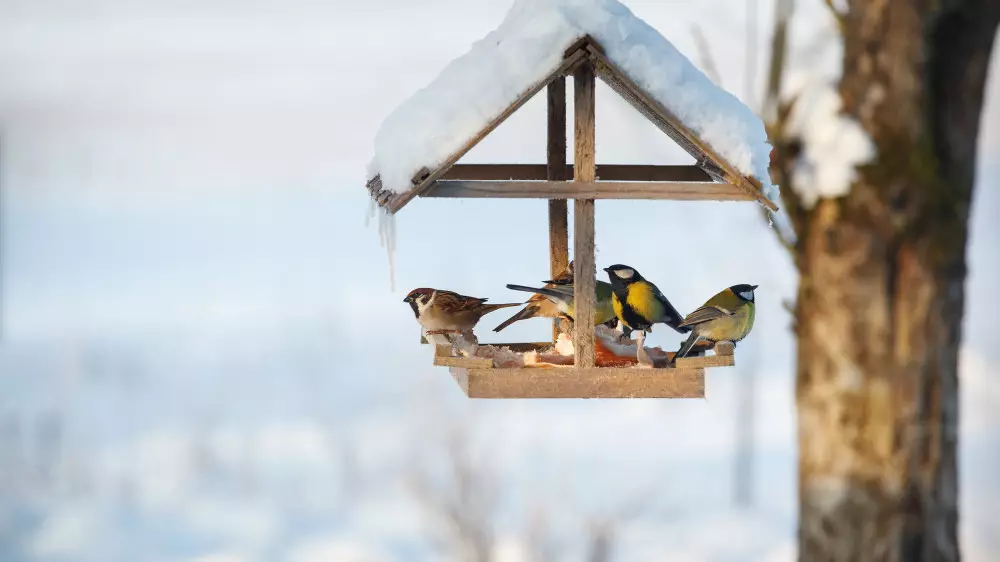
{"x":541,"y":291}
{"x":488,"y":308}
{"x":523,"y":314}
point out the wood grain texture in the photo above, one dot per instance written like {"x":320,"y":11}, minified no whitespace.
{"x":443,"y":357}
{"x":706,"y":361}
{"x":574,"y":382}
{"x":397,"y":201}
{"x":671,"y":191}
{"x":605,"y":172}
{"x":584,"y":268}
{"x":556,"y":171}
{"x":724,"y":348}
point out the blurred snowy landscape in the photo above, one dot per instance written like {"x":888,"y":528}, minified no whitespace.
{"x":202,"y":358}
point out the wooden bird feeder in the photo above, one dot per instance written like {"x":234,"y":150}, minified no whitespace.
{"x":711,"y":178}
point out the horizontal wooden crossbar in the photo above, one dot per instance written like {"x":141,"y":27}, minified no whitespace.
{"x":605,"y":172}
{"x":572,"y":382}
{"x":683,"y":191}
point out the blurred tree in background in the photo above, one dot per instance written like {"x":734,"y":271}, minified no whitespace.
{"x":882,"y":269}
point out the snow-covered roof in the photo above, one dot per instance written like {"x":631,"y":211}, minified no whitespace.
{"x":433,"y":127}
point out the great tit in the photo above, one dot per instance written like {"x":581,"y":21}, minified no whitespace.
{"x":638,"y":304}
{"x":540,"y":306}
{"x":561,"y":294}
{"x":442,"y":312}
{"x":727,"y":316}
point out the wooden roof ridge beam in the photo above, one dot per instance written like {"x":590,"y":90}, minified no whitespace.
{"x":734,"y":176}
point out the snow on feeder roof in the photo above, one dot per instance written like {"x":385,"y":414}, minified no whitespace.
{"x":539,"y":42}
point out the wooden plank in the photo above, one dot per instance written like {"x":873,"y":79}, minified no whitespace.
{"x":556,"y":171}
{"x":724,"y":348}
{"x":706,"y":361}
{"x":629,"y":172}
{"x":605,"y":172}
{"x":676,"y":191}
{"x":397,"y":201}
{"x":443,"y":358}
{"x":574,"y":382}
{"x":616,"y":78}
{"x":584,"y":268}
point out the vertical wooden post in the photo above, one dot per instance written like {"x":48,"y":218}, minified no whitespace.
{"x":558,"y":209}
{"x":584,"y":170}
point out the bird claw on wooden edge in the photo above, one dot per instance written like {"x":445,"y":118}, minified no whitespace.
{"x":642,"y":356}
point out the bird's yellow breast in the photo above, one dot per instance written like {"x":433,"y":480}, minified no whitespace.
{"x":642,"y":298}
{"x":617,"y":305}
{"x":731,"y":328}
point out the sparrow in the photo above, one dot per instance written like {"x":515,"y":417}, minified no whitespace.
{"x":727,"y":316}
{"x":539,"y":306}
{"x":639,"y":304}
{"x":441,"y":313}
{"x":560,"y":293}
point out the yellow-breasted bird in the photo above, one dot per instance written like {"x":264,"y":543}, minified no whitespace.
{"x":561,"y":294}
{"x":540,"y":306}
{"x":639,"y":304}
{"x":727,"y":316}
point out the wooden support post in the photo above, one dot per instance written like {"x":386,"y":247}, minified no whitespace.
{"x":584,"y":169}
{"x":556,"y":171}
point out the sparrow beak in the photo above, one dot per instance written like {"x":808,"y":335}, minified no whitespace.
{"x":407,"y":299}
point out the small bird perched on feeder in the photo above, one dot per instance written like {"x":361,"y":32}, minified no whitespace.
{"x":639,"y":304}
{"x":561,"y":294}
{"x":540,"y":306}
{"x":441,"y":313}
{"x":727,"y":316}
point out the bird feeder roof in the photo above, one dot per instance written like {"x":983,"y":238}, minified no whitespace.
{"x":538,"y":42}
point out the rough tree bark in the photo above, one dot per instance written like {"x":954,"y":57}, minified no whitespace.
{"x":881,"y":296}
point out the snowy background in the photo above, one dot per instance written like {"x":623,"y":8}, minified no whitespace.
{"x":202,"y":358}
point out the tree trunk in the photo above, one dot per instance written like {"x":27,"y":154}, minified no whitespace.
{"x":881,"y":296}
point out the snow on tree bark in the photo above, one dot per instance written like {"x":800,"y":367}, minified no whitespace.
{"x":881,"y":296}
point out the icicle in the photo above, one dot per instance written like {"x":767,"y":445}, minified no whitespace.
{"x":387,"y":239}
{"x":370,"y":213}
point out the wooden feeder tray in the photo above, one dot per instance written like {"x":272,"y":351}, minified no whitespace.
{"x":613,"y":376}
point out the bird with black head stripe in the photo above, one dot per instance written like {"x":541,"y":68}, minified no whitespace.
{"x":727,"y":316}
{"x":639,"y":304}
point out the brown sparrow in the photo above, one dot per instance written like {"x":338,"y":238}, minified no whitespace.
{"x":444,"y":314}
{"x":540,"y":306}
